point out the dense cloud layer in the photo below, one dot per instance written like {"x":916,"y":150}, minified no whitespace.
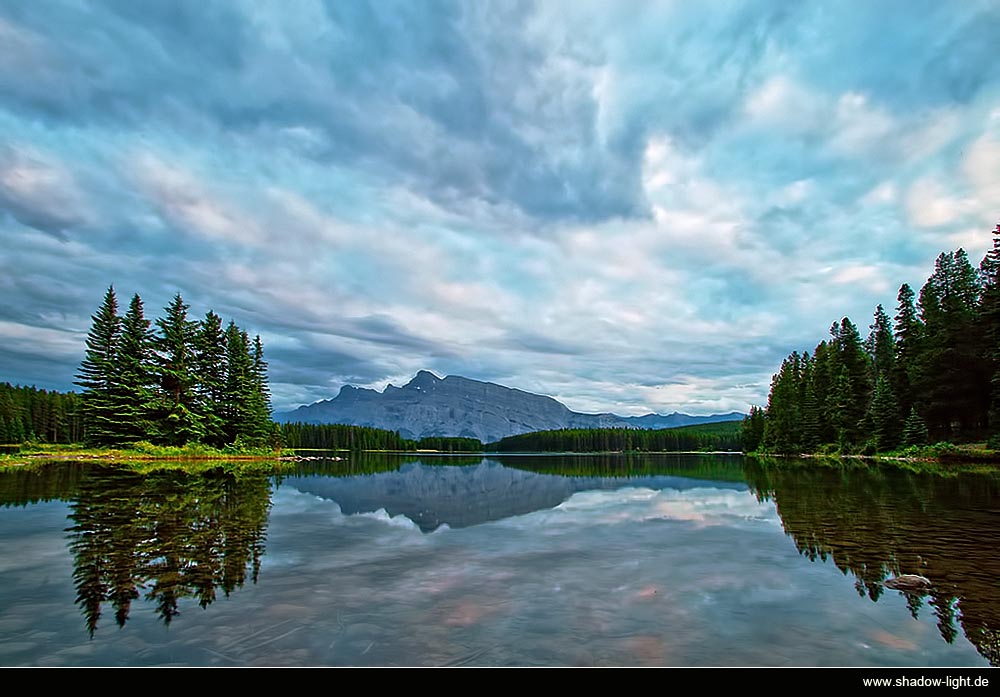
{"x":629,"y":208}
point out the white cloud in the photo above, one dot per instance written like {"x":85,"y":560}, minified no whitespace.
{"x":858,"y":126}
{"x":981,"y":168}
{"x":782,"y":102}
{"x":190,"y":205}
{"x":30,"y":340}
{"x":929,"y":204}
{"x":870,"y":276}
{"x":40,"y":191}
{"x":883,"y":194}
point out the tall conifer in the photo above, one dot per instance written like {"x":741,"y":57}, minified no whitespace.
{"x":98,"y":372}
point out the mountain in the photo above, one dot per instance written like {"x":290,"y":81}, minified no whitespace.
{"x":457,"y":406}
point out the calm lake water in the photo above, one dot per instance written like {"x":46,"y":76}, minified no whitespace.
{"x":585,"y":560}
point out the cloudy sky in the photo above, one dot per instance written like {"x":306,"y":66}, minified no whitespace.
{"x":629,"y":206}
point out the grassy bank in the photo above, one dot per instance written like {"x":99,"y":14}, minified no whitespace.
{"x":940,"y":458}
{"x":140,"y":452}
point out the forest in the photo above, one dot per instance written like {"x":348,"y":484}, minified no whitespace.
{"x":28,"y":414}
{"x":929,"y":374}
{"x":724,"y":436}
{"x":347,"y":437}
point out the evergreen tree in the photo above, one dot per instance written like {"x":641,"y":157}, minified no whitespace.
{"x":210,"y":368}
{"x":188,"y":382}
{"x":914,"y":429}
{"x":881,"y":345}
{"x":989,"y":327}
{"x":909,"y":331}
{"x":851,"y":389}
{"x":781,"y":431}
{"x":239,"y":384}
{"x":98,"y":374}
{"x":134,"y":394}
{"x":753,"y":429}
{"x":181,"y":420}
{"x":952,"y":377}
{"x":883,"y":419}
{"x":260,"y":400}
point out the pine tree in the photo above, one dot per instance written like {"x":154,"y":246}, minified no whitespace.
{"x":210,"y":368}
{"x":952,"y":375}
{"x":98,"y":374}
{"x":914,"y":429}
{"x":239,"y":384}
{"x":134,"y":395}
{"x":181,"y":421}
{"x":781,"y":431}
{"x":881,"y":345}
{"x":909,"y":332}
{"x":989,"y":327}
{"x":753,"y":429}
{"x":851,"y":388}
{"x":883,"y":419}
{"x":260,"y":401}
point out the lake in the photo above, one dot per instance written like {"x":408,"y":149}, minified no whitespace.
{"x":678,"y":560}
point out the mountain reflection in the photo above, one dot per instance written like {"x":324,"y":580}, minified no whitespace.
{"x":462,"y":492}
{"x":877,"y":523}
{"x":166,"y":536}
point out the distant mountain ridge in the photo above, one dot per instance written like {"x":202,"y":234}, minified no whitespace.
{"x":456,"y":406}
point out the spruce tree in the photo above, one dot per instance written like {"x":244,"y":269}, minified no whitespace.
{"x":952,"y":375}
{"x":882,"y":419}
{"x":239,"y":384}
{"x":914,"y":429}
{"x":851,"y":388}
{"x":260,"y":402}
{"x":98,"y":373}
{"x":181,"y":421}
{"x":753,"y":429}
{"x":909,"y":332}
{"x":782,"y":426}
{"x":210,"y":368}
{"x":989,"y":327}
{"x":881,"y":345}
{"x":134,"y":394}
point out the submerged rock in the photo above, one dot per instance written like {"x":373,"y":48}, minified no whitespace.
{"x":909,"y":583}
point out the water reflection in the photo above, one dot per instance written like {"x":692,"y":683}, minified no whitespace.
{"x":881,"y":522}
{"x":509,"y":560}
{"x":453,"y":491}
{"x":165,"y":535}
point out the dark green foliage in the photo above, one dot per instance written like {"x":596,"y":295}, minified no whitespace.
{"x":27,"y":413}
{"x":189,"y":382}
{"x":180,"y":419}
{"x":720,"y":436}
{"x":134,"y":395}
{"x":450,"y":445}
{"x":914,"y":429}
{"x":881,"y":345}
{"x":752,"y":432}
{"x":941,"y":366}
{"x":883,"y":420}
{"x":989,"y":327}
{"x":784,"y":407}
{"x":98,"y":372}
{"x":952,"y":378}
{"x":909,"y":335}
{"x":210,"y":365}
{"x":342,"y":437}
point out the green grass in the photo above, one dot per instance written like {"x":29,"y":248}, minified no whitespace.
{"x":140,"y":452}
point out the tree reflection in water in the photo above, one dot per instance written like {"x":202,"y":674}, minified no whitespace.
{"x":879,"y":522}
{"x":167,"y":535}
